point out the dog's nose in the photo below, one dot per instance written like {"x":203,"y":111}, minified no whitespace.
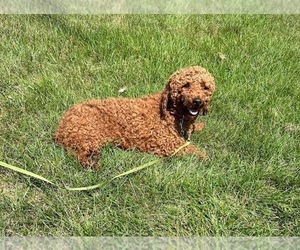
{"x":197,"y":103}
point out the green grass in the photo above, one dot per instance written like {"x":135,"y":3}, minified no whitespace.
{"x":250,"y":186}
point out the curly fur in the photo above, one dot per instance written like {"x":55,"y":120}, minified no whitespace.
{"x":158,"y":123}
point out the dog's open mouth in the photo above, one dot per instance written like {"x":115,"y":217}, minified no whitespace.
{"x":193,"y":112}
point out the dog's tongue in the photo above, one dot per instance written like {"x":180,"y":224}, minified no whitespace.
{"x":193,"y":113}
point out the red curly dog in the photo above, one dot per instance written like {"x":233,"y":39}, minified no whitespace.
{"x":158,"y":123}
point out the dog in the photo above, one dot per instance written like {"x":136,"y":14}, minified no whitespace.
{"x":157,"y":124}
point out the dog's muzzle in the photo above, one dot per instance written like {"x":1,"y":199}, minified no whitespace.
{"x":195,"y":109}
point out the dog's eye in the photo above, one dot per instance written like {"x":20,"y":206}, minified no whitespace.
{"x":206,"y":88}
{"x":187,"y":85}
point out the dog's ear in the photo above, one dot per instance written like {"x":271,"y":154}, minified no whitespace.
{"x":167,"y":97}
{"x":164,"y":102}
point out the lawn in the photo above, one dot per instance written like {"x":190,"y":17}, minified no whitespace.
{"x":250,"y":186}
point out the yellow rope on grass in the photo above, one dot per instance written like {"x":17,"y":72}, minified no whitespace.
{"x":133,"y":170}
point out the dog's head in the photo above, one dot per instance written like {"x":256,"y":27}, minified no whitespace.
{"x":188,"y":93}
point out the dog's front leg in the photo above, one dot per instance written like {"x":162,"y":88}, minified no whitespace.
{"x":198,"y":126}
{"x":191,"y":149}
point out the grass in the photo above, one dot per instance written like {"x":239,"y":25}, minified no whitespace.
{"x":250,"y":186}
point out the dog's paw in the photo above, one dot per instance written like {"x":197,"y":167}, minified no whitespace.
{"x":199,"y":126}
